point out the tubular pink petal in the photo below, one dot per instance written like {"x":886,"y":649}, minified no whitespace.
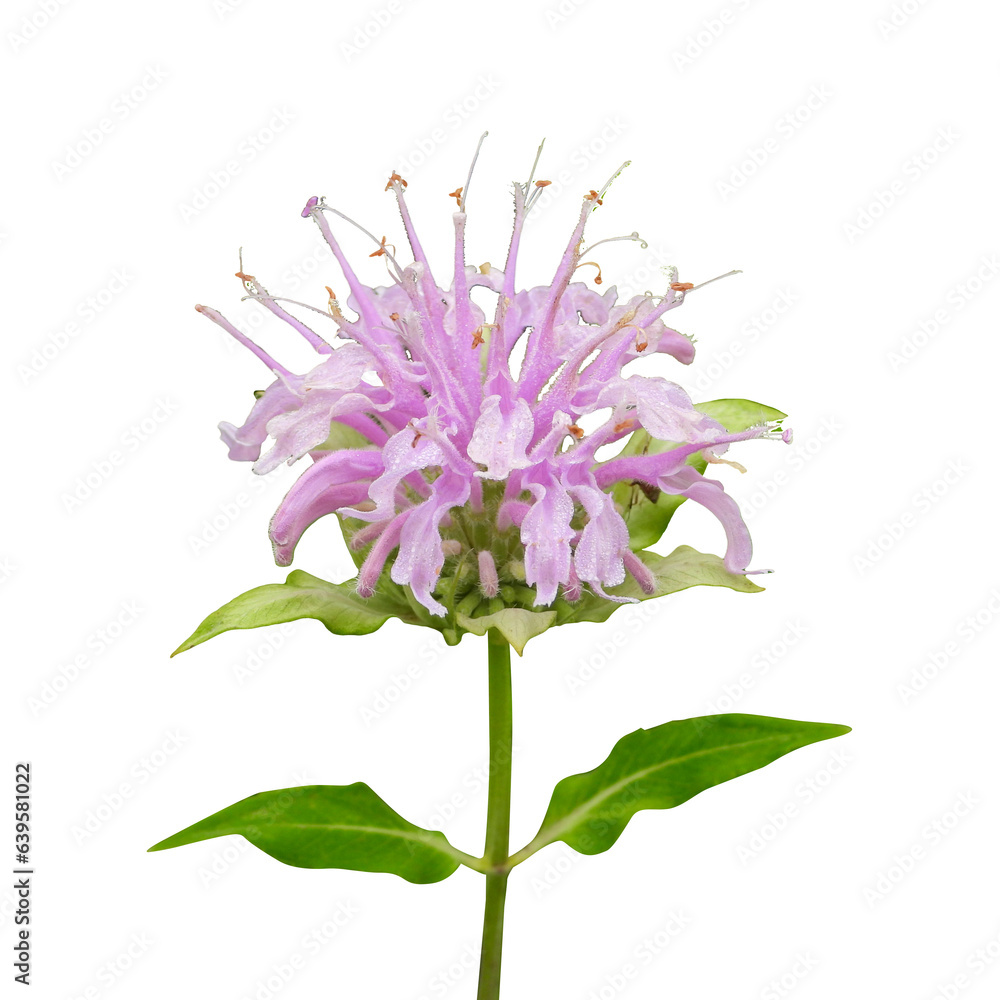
{"x":512,"y":513}
{"x":533,"y":376}
{"x":371,"y":568}
{"x":302,"y":508}
{"x":336,"y":480}
{"x":598,"y":553}
{"x":260,"y":294}
{"x":244,"y":442}
{"x":711,"y":495}
{"x":420,"y":558}
{"x":216,"y":317}
{"x":389,"y":367}
{"x":650,"y":468}
{"x":404,"y":453}
{"x":489,"y":582}
{"x":642,"y":574}
{"x":546,"y":533}
{"x":297,"y":433}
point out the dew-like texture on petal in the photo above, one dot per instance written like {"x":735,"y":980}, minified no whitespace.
{"x":546,"y":533}
{"x":711,"y":495}
{"x":464,"y":463}
{"x":500,"y":439}
{"x":404,"y":453}
{"x":339,"y":479}
{"x":421,"y":557}
{"x":604,"y":538}
{"x":245,"y":442}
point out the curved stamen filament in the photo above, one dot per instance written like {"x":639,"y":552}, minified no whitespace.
{"x":381,"y":243}
{"x":718,"y":277}
{"x":611,"y":180}
{"x":463,"y":198}
{"x":632,"y":237}
{"x":591,"y":263}
{"x":530,"y":197}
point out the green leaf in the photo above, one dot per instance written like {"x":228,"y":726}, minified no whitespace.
{"x":647,"y":518}
{"x":331,"y":826}
{"x":739,"y":414}
{"x":516,"y":625}
{"x":302,"y":595}
{"x":684,"y":567}
{"x":663,"y":767}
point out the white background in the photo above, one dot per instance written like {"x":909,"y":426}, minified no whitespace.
{"x":843,"y":155}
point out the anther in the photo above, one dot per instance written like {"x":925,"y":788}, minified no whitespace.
{"x":598,"y":280}
{"x":382,"y":248}
{"x":394,"y":177}
{"x":640,"y":344}
{"x":457,"y":195}
{"x":682,"y":286}
{"x":542,"y":184}
{"x":592,"y":195}
{"x":624,"y":425}
{"x":332,"y":305}
{"x":576,"y":431}
{"x":477,"y":335}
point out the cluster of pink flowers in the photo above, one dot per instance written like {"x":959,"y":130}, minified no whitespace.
{"x":454,"y":440}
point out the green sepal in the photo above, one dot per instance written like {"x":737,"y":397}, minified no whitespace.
{"x":684,"y":567}
{"x":516,"y":625}
{"x":331,"y":826}
{"x":340,"y":608}
{"x":662,"y":767}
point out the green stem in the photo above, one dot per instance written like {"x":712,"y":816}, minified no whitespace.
{"x":497,"y":817}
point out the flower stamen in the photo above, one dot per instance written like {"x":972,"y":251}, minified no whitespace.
{"x":718,"y":277}
{"x":394,"y":178}
{"x":632,"y":237}
{"x":382,"y":248}
{"x":468,"y":180}
{"x":477,"y":334}
{"x":591,"y":263}
{"x":712,"y":459}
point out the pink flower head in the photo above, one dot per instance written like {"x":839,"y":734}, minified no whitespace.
{"x":461,"y":460}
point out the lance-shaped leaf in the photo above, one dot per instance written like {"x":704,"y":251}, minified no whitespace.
{"x":662,"y":767}
{"x":331,"y":826}
{"x":337,"y":605}
{"x":648,"y":514}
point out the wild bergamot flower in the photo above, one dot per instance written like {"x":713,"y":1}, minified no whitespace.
{"x":454,"y":456}
{"x":484,"y":469}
